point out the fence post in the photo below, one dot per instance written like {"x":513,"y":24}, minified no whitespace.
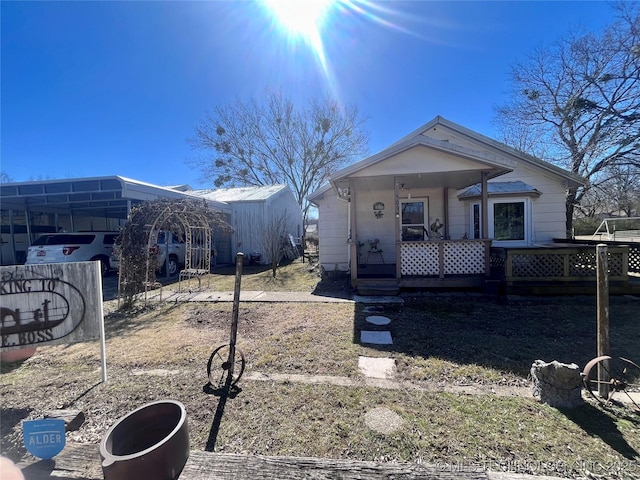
{"x":602,"y":268}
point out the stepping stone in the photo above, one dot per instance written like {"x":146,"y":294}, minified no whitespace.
{"x":377,"y":367}
{"x":376,"y":338}
{"x":383,"y":420}
{"x":378,"y":320}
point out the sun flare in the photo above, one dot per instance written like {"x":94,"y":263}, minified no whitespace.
{"x":299,"y":18}
{"x":302,"y":20}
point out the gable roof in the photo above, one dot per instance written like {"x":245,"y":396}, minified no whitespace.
{"x":502,"y":161}
{"x":505,"y":159}
{"x":573,"y":178}
{"x":411,"y":141}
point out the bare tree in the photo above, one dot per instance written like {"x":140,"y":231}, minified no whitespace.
{"x":581,"y":100}
{"x":621,"y":191}
{"x":274,"y":237}
{"x":273,"y":141}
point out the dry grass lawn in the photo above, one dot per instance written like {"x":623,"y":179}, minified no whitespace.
{"x":161,"y":352}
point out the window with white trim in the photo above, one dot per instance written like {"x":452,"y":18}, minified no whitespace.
{"x":510,"y":221}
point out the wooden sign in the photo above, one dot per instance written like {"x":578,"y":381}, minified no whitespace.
{"x":50,"y":304}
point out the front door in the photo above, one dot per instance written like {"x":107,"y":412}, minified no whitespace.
{"x":412,"y":218}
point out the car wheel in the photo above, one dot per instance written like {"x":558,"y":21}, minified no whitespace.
{"x":104,"y":265}
{"x":173,"y":266}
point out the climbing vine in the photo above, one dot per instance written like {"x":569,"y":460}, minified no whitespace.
{"x":138,"y":261}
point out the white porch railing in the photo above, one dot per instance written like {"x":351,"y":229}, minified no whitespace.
{"x":444,"y":257}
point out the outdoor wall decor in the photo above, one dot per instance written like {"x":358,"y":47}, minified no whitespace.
{"x":377,"y":210}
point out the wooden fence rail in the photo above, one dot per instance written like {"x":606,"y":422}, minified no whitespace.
{"x":563,"y":264}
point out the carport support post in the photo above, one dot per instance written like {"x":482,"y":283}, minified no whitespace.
{"x":602,"y":267}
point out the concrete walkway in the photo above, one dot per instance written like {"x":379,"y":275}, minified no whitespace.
{"x":254,"y":296}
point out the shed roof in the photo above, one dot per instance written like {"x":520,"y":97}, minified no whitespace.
{"x":241,"y":194}
{"x":500,"y":188}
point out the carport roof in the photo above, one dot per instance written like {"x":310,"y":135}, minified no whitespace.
{"x":97,"y":196}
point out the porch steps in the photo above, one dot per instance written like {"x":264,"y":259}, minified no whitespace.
{"x":377,"y":287}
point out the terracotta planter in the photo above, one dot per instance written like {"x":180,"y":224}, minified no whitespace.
{"x":151,"y":442}
{"x":17,"y":355}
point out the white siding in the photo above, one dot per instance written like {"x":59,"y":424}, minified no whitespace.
{"x":374,"y":182}
{"x":370,"y":227}
{"x":458,"y":217}
{"x":285,"y":202}
{"x":333,"y":230}
{"x":250,"y":217}
{"x":548,"y":210}
{"x":416,"y":159}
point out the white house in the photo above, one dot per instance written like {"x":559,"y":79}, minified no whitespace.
{"x":429,"y":207}
{"x":252,"y":208}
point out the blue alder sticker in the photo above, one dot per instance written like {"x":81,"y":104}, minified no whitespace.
{"x":44,"y":438}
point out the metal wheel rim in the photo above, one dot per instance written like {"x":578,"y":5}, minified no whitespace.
{"x":218,"y":366}
{"x":619,"y":374}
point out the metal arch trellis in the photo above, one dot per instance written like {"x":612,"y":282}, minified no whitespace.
{"x":190,"y":220}
{"x":170,"y":221}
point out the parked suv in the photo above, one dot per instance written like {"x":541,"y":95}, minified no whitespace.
{"x":168,"y":244}
{"x":73,"y":247}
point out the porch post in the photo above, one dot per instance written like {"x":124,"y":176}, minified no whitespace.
{"x":485,"y":206}
{"x":398,"y":223}
{"x":445,"y":203}
{"x":353,"y":252}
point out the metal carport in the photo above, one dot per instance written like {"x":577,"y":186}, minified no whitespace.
{"x":96,"y":203}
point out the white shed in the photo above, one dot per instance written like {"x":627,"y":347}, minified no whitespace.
{"x":252,"y":210}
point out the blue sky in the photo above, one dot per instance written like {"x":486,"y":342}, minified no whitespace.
{"x":116,"y":88}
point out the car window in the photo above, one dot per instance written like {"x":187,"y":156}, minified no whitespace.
{"x":110,"y":239}
{"x":173,"y":238}
{"x":64,"y":240}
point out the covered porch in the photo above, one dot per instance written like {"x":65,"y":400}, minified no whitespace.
{"x":429,"y":264}
{"x":416,"y":231}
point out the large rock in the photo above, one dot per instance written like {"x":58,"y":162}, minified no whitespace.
{"x":557,"y":384}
